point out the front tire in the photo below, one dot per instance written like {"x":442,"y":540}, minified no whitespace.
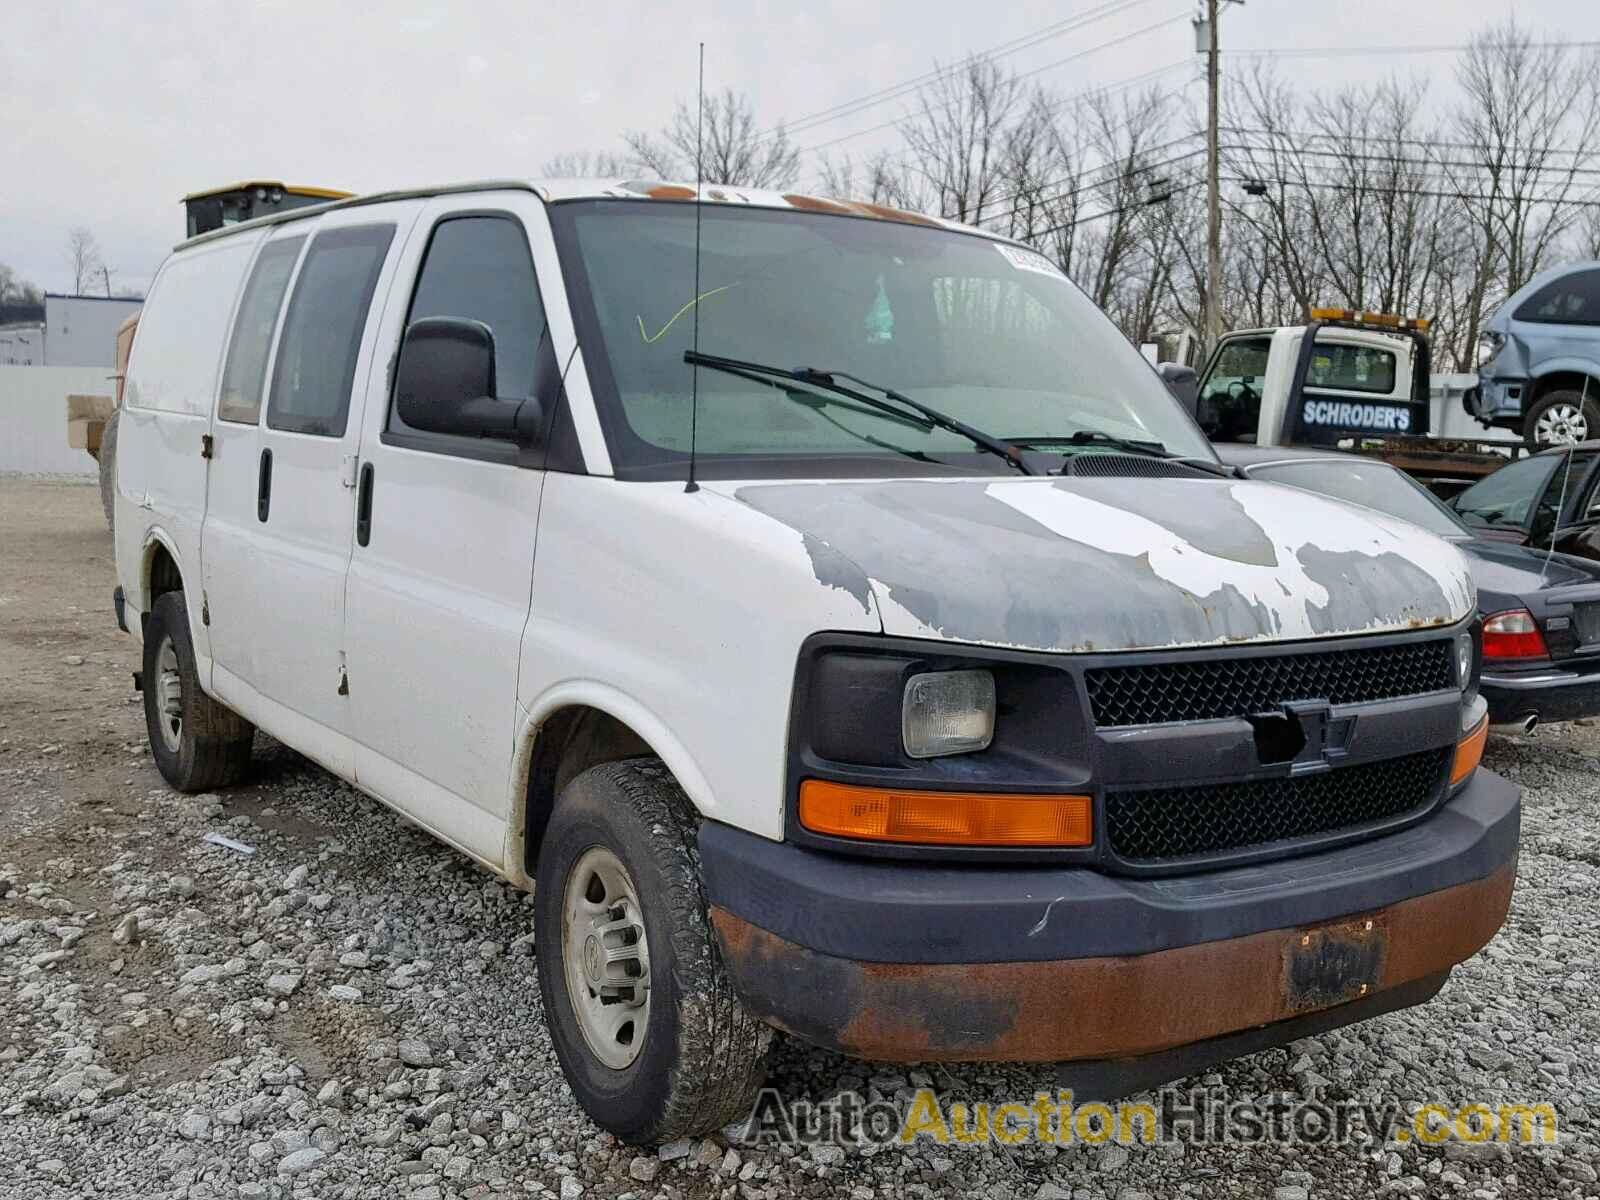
{"x":1561,"y":418}
{"x":653,"y":1040}
{"x":198,"y":743}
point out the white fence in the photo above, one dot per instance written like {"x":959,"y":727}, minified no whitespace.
{"x":33,"y":417}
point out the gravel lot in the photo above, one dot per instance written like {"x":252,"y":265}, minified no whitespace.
{"x":352,"y":1011}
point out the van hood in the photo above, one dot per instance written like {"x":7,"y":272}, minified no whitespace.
{"x":1092,"y":564}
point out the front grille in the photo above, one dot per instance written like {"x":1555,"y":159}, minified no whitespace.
{"x":1586,"y":620}
{"x":1180,"y":822}
{"x":1208,"y":688}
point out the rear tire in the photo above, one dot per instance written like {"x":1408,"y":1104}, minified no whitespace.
{"x":108,"y":469}
{"x":198,"y":743}
{"x":1561,"y":418}
{"x":620,"y":852}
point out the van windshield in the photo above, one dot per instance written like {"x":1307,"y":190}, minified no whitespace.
{"x":990,"y":334}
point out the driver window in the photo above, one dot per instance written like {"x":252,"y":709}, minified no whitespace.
{"x":1230,"y":402}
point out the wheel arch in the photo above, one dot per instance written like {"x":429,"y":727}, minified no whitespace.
{"x":1566,"y":375}
{"x":571,"y":728}
{"x":160,"y":569}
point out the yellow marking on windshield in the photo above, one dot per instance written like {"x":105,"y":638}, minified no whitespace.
{"x":662,"y":331}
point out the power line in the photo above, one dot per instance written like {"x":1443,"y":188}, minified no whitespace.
{"x":1456,"y":194}
{"x":1109,"y":164}
{"x":1084,"y":185}
{"x":1343,"y":156}
{"x":1003,"y":50}
{"x":1364,"y":51}
{"x":1095,"y":49}
{"x":1112,"y":212}
{"x":1324,"y":135}
{"x":1109,"y":90}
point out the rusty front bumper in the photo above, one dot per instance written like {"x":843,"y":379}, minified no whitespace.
{"x":917,"y":962}
{"x":1103,"y":1007}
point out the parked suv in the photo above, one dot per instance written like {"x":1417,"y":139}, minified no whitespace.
{"x":972,"y":712}
{"x":1539,"y":360}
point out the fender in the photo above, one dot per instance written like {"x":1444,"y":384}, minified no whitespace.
{"x":591,"y":693}
{"x":193,"y":596}
{"x":154,"y":536}
{"x":1571,"y":365}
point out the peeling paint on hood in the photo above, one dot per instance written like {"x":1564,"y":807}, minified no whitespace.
{"x":1089,"y":564}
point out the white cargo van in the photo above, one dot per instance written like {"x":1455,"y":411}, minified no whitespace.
{"x":828,"y":608}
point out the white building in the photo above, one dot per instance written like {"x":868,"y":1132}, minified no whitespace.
{"x":81,"y":331}
{"x":22,"y":344}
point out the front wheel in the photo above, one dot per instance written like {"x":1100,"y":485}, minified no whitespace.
{"x":1562,"y":418}
{"x":198,"y":743}
{"x":643,"y":1016}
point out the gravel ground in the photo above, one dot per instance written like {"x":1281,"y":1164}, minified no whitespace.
{"x":351,"y":1011}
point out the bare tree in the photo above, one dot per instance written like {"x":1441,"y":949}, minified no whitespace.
{"x":83,"y":255}
{"x":16,"y":290}
{"x":879,"y":179}
{"x":1377,"y":196}
{"x":1589,"y":229}
{"x":586,"y":164}
{"x":957,"y":140}
{"x":1529,"y":119}
{"x":733,"y":150}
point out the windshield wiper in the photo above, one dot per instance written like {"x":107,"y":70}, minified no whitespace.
{"x":1097,"y":437}
{"x":829,"y":380}
{"x":757,"y":373}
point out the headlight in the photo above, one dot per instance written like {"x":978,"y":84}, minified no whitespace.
{"x":947,"y":712}
{"x":1488,"y":346}
{"x":1464,"y":656}
{"x":1469,"y":658}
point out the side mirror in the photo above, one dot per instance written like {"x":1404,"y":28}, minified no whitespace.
{"x":444,"y":383}
{"x":1182,"y":382}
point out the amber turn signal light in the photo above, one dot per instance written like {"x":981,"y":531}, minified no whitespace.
{"x":1469,"y":753}
{"x":945,"y":818}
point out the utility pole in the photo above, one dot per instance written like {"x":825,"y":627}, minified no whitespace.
{"x":1213,"y":329}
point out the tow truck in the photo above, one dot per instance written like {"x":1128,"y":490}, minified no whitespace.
{"x":1345,"y":380}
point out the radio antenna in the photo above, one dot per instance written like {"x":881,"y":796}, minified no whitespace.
{"x":1561,"y":504}
{"x":699,"y":173}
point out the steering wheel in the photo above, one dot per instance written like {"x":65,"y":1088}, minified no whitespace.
{"x":1242,"y":392}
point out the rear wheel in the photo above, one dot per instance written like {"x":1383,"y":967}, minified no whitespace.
{"x":198,"y":744}
{"x":644,"y":1019}
{"x":1561,"y":418}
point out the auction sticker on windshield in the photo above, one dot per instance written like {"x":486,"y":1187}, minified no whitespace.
{"x":1028,"y":260}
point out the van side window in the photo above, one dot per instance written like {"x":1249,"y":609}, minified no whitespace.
{"x":187,"y":310}
{"x":316,"y":363}
{"x":246,"y":372}
{"x":478,"y":268}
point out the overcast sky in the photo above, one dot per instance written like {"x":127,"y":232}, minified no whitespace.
{"x":114,"y":111}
